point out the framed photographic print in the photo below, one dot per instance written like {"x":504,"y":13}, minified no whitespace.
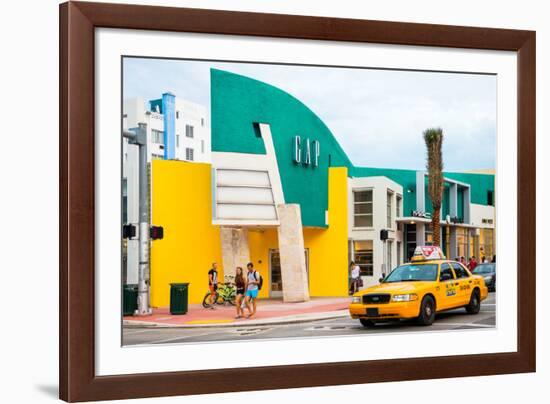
{"x":290,"y":201}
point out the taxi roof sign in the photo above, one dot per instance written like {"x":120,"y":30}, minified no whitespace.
{"x":428,"y":252}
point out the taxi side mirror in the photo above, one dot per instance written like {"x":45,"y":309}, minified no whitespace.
{"x":380,"y":280}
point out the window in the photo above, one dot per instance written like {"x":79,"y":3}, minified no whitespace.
{"x":177,"y":115}
{"x":398,"y":201}
{"x":486,"y":244}
{"x":189,"y":154}
{"x":363,"y":256}
{"x":490,"y":198}
{"x":189,"y":131}
{"x":461,"y":242}
{"x":177,"y":140}
{"x":389,"y":206}
{"x":389,"y":263}
{"x":157,"y":136}
{"x":446,"y":274}
{"x":428,"y":234}
{"x":410,"y":240}
{"x":202,"y":146}
{"x":362,"y":201}
{"x":202,"y":122}
{"x":459,"y":270}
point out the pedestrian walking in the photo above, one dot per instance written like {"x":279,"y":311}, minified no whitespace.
{"x":252,"y":286}
{"x":213,"y":284}
{"x":239,"y":292}
{"x":355,"y":274}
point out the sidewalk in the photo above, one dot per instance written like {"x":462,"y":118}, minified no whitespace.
{"x":269,"y":311}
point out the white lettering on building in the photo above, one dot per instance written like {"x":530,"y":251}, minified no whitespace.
{"x":306,"y":151}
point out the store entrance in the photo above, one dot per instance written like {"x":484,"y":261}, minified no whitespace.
{"x":276,"y":280}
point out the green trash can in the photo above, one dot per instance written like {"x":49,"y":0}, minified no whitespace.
{"x":129,"y":299}
{"x":179,"y":297}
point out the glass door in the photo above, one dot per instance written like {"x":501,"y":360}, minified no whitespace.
{"x":276,"y":281}
{"x":275,"y":278}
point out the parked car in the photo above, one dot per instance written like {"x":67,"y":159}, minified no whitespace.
{"x":488,"y":271}
{"x":419,"y":289}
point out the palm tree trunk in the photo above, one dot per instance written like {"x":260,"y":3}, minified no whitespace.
{"x":436,"y":226}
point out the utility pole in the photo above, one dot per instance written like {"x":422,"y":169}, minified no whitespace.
{"x":139,"y":138}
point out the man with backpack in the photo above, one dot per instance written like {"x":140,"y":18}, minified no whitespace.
{"x":252,"y":286}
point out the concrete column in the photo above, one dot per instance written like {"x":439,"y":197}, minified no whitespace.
{"x":420,"y":234}
{"x":466,"y":196}
{"x":420,"y":192}
{"x":291,"y":250}
{"x":453,"y":248}
{"x":453,"y":200}
{"x":235,"y":250}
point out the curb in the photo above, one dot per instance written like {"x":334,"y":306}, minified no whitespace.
{"x":268,"y":321}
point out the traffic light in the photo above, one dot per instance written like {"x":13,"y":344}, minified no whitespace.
{"x":156,"y":232}
{"x":128,"y":231}
{"x":383,"y":234}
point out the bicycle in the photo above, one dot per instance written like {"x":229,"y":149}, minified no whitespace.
{"x":225,"y":295}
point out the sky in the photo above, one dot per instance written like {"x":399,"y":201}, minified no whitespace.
{"x":377,"y":116}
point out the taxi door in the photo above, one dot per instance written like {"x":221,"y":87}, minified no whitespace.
{"x":465,"y":283}
{"x":447,"y":288}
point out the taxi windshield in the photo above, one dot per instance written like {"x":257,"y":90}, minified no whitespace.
{"x":412,"y":273}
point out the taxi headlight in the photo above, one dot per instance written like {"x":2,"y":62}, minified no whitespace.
{"x":356,"y":299}
{"x":405,"y":298}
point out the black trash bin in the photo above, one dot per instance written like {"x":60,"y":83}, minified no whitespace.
{"x":129,"y":299}
{"x":179,"y":298}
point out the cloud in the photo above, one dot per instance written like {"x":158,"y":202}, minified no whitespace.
{"x":378,"y":116}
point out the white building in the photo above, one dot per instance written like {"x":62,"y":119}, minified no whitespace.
{"x":375,"y":204}
{"x":177,"y":129}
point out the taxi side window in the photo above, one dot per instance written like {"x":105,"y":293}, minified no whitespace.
{"x":459,"y":270}
{"x":445,"y":273}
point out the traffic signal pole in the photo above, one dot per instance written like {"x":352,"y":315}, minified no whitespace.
{"x":139,"y":138}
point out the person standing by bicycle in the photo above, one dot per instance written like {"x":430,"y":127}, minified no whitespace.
{"x":213,"y":283}
{"x":252,"y":288}
{"x":239,"y":293}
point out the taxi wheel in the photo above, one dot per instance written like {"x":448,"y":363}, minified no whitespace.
{"x":475,"y":303}
{"x":427,"y":311}
{"x":366,"y":323}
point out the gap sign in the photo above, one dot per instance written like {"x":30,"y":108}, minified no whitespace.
{"x":303,"y":152}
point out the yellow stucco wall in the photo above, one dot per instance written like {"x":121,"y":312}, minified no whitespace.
{"x":328,"y":248}
{"x":182,"y":204}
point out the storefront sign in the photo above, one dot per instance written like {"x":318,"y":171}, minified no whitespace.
{"x":457,"y":220}
{"x":421,"y":213}
{"x":303,"y":153}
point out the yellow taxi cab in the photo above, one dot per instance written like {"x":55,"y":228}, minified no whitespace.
{"x":419,"y":289}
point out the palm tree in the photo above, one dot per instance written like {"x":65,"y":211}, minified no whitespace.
{"x":433,"y":137}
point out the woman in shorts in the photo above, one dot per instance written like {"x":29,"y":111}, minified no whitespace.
{"x":239,"y":294}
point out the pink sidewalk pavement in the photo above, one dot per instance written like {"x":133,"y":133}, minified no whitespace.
{"x":268,"y":310}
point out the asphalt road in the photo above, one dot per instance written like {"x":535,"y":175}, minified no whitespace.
{"x":451,"y":320}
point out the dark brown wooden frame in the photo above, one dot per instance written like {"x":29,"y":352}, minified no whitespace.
{"x":77,"y":379}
